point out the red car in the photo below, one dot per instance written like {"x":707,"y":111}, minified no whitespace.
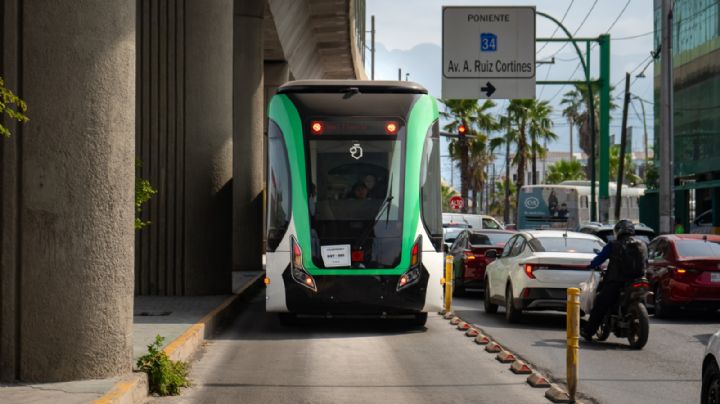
{"x":469,"y":261}
{"x":684,"y":271}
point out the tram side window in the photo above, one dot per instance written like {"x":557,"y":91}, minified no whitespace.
{"x":278,"y":187}
{"x":431,"y":203}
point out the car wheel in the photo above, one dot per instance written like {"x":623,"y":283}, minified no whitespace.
{"x":490,"y":308}
{"x":710,"y":391}
{"x":512,"y":315}
{"x":661,"y":308}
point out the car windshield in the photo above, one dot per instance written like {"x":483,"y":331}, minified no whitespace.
{"x":451,"y":234}
{"x":698,"y":248}
{"x":489,"y":238}
{"x":566,"y":244}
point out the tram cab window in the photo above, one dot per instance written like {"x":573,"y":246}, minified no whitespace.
{"x":358,"y":198}
{"x":278,"y":187}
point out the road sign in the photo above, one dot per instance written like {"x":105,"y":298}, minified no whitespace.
{"x":488,"y":52}
{"x":456,"y":203}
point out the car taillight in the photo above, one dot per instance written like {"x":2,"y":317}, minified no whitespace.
{"x":642,"y":284}
{"x":469,"y":255}
{"x":529,"y":268}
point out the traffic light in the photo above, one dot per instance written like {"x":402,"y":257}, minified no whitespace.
{"x":462,"y":130}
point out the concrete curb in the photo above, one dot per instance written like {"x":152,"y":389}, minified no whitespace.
{"x":463,"y":326}
{"x":538,"y":380}
{"x":505,"y":357}
{"x":520,"y":368}
{"x":472,"y":333}
{"x":493,"y":347}
{"x":135,"y":388}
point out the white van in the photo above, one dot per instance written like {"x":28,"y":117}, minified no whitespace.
{"x":473,"y":221}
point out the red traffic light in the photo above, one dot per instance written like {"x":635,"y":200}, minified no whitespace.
{"x":462,"y":129}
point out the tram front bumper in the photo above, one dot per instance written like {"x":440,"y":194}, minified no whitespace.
{"x":356,"y":294}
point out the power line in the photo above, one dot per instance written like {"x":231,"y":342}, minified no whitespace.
{"x":557,"y":27}
{"x":579,"y":26}
{"x":623,"y":38}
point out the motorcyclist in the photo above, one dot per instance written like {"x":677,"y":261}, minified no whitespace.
{"x":628,"y":258}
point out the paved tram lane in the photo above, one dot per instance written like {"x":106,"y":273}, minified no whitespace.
{"x":257,"y":360}
{"x":667,"y":370}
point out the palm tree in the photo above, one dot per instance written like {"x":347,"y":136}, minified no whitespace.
{"x":540,"y":130}
{"x":498,"y":208}
{"x":565,"y":170}
{"x":583,"y":120}
{"x":573,"y":101}
{"x":478,"y":122}
{"x":629,"y":176}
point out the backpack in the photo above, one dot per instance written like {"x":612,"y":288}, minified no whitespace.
{"x":635,"y":257}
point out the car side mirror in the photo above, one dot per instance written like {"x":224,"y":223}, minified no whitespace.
{"x":492,"y":254}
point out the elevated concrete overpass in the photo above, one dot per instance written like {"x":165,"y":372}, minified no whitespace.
{"x":182,"y":86}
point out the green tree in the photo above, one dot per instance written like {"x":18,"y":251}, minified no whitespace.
{"x":540,"y":133}
{"x":583,"y":117}
{"x":565,"y":170}
{"x":470,"y":151}
{"x":497,"y":207}
{"x":573,"y":102}
{"x":629,"y":177}
{"x":12,"y":106}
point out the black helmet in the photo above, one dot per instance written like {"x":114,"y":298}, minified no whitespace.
{"x":624,"y":228}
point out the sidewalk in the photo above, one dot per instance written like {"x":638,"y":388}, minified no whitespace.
{"x":184,"y":322}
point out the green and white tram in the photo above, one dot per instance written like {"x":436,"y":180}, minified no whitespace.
{"x":354,"y":221}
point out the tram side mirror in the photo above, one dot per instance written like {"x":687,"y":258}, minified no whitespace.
{"x":491,"y":254}
{"x":596,"y":251}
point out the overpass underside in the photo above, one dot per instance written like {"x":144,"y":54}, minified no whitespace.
{"x":180,"y":86}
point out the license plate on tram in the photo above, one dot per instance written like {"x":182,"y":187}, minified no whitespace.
{"x":715,"y":277}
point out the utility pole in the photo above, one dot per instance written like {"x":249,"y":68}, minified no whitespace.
{"x":623,"y":141}
{"x":506,"y":211}
{"x":372,"y":47}
{"x":399,"y":74}
{"x":666,"y":121}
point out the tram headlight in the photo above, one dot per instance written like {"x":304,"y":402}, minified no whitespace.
{"x":296,"y":267}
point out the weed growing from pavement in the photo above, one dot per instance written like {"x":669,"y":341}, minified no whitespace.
{"x":165,"y":376}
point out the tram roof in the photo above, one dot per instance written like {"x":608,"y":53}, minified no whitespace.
{"x":342,"y":86}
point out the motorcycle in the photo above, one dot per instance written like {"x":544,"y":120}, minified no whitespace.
{"x":628,"y":318}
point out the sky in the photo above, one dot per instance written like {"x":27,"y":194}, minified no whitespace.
{"x":409,"y":36}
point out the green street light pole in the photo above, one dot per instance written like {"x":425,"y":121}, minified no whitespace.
{"x":604,"y":42}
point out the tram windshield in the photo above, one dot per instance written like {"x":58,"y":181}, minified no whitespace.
{"x":355,"y":189}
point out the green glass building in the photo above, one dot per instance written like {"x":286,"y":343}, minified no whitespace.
{"x":696,"y":71}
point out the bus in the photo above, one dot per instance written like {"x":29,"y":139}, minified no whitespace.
{"x":567,"y":205}
{"x":353,"y":208}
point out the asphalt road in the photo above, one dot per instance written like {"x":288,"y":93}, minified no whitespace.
{"x":666,"y":370}
{"x":258,"y":360}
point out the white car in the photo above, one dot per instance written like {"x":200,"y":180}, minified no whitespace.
{"x":536,"y":268}
{"x":711,"y":371}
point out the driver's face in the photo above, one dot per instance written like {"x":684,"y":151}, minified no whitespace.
{"x":361,"y":193}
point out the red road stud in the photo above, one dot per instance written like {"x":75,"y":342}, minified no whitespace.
{"x":505,"y":357}
{"x":455,"y":321}
{"x":462,"y":326}
{"x":482,"y":340}
{"x":448,"y":315}
{"x":557,"y":395}
{"x":493,"y":347}
{"x":538,"y":380}
{"x":472,"y":333}
{"x":520,"y":368}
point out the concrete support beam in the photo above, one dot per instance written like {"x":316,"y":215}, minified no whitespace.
{"x":248,"y":111}
{"x":184,"y":137}
{"x":66,"y":267}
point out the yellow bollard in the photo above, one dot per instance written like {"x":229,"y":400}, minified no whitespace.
{"x":573,"y":339}
{"x":448,"y":283}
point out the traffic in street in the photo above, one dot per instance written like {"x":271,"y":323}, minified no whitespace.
{"x":667,"y":370}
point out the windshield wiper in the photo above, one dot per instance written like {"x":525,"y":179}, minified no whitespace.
{"x":366,"y":233}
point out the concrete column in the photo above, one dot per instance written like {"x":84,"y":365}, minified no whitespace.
{"x":184,"y":137}
{"x":67,"y":191}
{"x":276,"y":73}
{"x":248,"y":109}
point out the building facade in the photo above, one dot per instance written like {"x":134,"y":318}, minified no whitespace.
{"x":696,"y":125}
